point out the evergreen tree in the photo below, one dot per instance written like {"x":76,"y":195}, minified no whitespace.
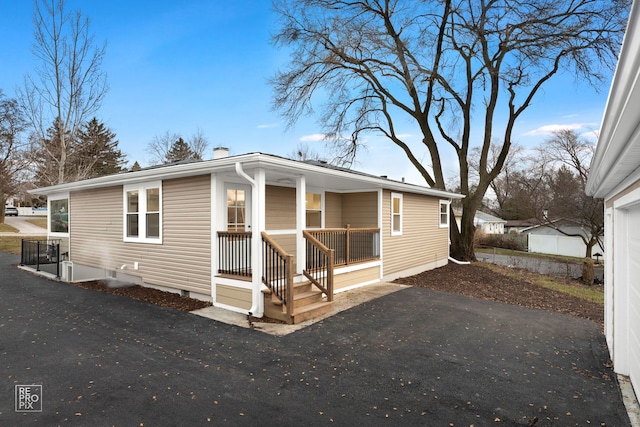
{"x":47,"y":155}
{"x":96,"y":152}
{"x":180,"y":150}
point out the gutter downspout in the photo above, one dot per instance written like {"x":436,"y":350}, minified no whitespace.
{"x":459,"y":262}
{"x":256,"y":295}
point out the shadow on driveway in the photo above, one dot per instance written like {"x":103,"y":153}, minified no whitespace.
{"x":414,"y":357}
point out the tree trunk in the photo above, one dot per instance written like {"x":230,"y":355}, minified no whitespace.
{"x":462,"y":239}
{"x":587,"y":272}
{"x":590,"y":246}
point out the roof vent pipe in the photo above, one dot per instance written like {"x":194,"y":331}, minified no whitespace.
{"x":220,"y":152}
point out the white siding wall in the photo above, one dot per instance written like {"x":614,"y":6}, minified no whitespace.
{"x":560,"y":245}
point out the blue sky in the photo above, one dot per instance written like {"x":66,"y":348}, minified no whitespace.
{"x":180,"y":66}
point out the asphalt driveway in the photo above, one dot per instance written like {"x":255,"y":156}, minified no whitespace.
{"x":415,"y":357}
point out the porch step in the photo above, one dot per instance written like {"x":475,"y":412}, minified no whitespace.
{"x":312,"y":311}
{"x":308,"y":303}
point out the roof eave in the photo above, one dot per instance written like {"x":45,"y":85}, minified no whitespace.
{"x":248,"y":161}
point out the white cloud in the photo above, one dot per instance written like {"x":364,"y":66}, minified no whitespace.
{"x":549,"y":129}
{"x":269,"y":125}
{"x":313,"y":137}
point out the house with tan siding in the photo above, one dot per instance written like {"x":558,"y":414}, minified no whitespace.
{"x":615,"y":177}
{"x":253,"y":233}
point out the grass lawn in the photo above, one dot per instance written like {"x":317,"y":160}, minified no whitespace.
{"x":40,"y":222}
{"x":577,"y":289}
{"x":6,"y":228}
{"x":590,"y":293}
{"x":13,"y":244}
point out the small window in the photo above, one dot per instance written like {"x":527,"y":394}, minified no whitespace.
{"x":143,"y":206}
{"x":59,"y":218}
{"x":236,"y":210}
{"x":132,"y":213}
{"x":444,"y":213}
{"x":153,"y":213}
{"x":313,"y":202}
{"x":396,"y":214}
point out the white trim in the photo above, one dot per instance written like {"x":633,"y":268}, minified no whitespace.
{"x":621,"y":329}
{"x":301,"y":219}
{"x":400,"y":214}
{"x":609,"y":289}
{"x":142,"y":212}
{"x":227,"y":164}
{"x":381,"y":228}
{"x":58,"y":234}
{"x":321,"y":193}
{"x":440,"y":204}
{"x":248,"y":204}
{"x":213,"y":206}
{"x":356,"y":267}
{"x":628,"y":200}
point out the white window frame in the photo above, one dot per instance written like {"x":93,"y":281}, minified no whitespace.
{"x":321,"y":211}
{"x":142,"y":212}
{"x":53,"y":198}
{"x":443,"y":203}
{"x":398,"y":196}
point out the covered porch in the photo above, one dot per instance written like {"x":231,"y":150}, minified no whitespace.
{"x":286,"y":245}
{"x":290,"y":296}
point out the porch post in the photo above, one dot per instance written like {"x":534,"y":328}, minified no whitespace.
{"x":301,"y":214}
{"x":258,"y":212}
{"x":214,"y":234}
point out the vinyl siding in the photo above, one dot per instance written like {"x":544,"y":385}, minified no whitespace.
{"x":181,"y":262}
{"x":360,"y":210}
{"x":356,"y":277}
{"x":280,"y":208}
{"x":235,"y":297}
{"x":422,"y":242}
{"x":286,"y":242}
{"x":333,"y":210}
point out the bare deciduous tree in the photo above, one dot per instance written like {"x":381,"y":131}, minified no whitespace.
{"x":460,"y":72}
{"x":14,"y":149}
{"x":573,"y":155}
{"x":68,"y":85}
{"x":161,"y":146}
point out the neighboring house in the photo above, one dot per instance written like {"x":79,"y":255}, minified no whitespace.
{"x":615,"y":177}
{"x":489,"y":224}
{"x":484,"y":222}
{"x":548,"y":239}
{"x":234,"y":229}
{"x":517,"y":225}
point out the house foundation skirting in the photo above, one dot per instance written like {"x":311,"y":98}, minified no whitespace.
{"x":415,"y":270}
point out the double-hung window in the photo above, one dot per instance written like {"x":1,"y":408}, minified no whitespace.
{"x":143,"y":213}
{"x":313,"y":210}
{"x":444,"y":214}
{"x":396,"y":214}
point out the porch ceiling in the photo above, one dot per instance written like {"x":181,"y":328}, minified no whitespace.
{"x":319,"y":180}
